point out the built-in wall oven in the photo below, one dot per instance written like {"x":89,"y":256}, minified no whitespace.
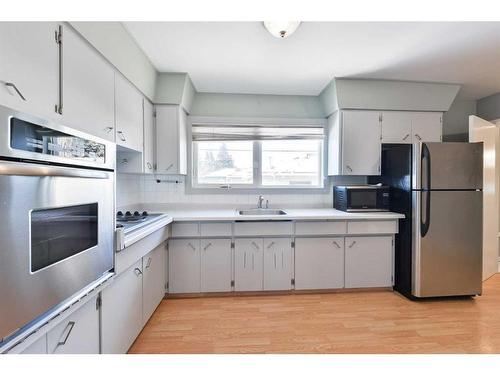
{"x":57,"y":216}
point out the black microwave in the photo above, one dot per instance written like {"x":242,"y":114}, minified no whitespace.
{"x":357,"y":198}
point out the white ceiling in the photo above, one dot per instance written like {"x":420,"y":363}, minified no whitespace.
{"x":242,"y":57}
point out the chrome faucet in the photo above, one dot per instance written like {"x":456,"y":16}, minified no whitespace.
{"x":260,"y":201}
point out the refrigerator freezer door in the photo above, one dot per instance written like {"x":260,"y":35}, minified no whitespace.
{"x":447,"y":243}
{"x":448,"y":166}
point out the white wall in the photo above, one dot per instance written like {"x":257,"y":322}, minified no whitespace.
{"x":456,"y":120}
{"x":120,"y":49}
{"x":250,"y":105}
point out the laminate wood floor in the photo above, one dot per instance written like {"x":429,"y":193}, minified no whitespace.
{"x":358,"y":322}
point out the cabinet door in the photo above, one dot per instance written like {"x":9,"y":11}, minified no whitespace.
{"x":149,"y":137}
{"x":277,"y":264}
{"x":38,"y":347}
{"x":171,"y":146}
{"x":129,"y":114}
{"x":29,"y":63}
{"x":77,"y":334}
{"x":396,"y":127}
{"x":216,"y":265}
{"x":88,"y":88}
{"x":319,"y":263}
{"x":153,"y":283}
{"x":184,"y":266}
{"x":122,"y":311}
{"x":427,"y":126}
{"x":368,"y":262}
{"x":248,"y":268}
{"x":361,"y":144}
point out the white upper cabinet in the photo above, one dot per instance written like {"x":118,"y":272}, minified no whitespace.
{"x":129,"y":114}
{"x":396,"y":127}
{"x":149,"y":137}
{"x":88,"y":87}
{"x":29,"y":67}
{"x":427,"y":126}
{"x":171,"y":140}
{"x":354,"y":143}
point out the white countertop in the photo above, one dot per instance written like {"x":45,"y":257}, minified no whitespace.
{"x":292,"y":214}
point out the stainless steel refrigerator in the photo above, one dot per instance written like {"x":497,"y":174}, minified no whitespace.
{"x":438,"y":186}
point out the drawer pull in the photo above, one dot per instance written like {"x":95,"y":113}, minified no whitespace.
{"x":255,"y":245}
{"x":406,"y":137}
{"x":191,"y":246}
{"x":352,"y":244}
{"x":137,"y":271}
{"x":270,"y":245}
{"x":12,"y":85}
{"x":122,"y":136}
{"x":149,"y":262}
{"x":68,"y":330}
{"x":336,"y":244}
{"x":206,"y":247}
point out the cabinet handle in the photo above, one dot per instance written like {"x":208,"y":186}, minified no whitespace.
{"x":149,"y":165}
{"x":137,"y":271}
{"x":255,"y":245}
{"x":149,"y":262}
{"x":59,"y":42}
{"x":274,"y":260}
{"x":406,"y":137}
{"x":206,"y":247}
{"x":253,"y":261}
{"x":270,"y":245}
{"x":122,"y":136}
{"x":68,"y":330}
{"x":245,"y":260}
{"x":108,"y":129}
{"x":418,"y":137}
{"x":352,"y":244}
{"x":348,"y":168}
{"x":336,"y":244}
{"x":170,"y":166}
{"x":191,"y":246}
{"x":10,"y":84}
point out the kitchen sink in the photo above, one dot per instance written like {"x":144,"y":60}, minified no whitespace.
{"x":261,"y":211}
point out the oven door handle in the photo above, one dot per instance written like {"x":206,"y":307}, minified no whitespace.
{"x":38,"y":170}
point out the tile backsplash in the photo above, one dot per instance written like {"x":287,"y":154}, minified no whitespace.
{"x":133,"y":189}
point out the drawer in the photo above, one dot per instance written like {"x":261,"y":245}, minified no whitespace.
{"x":369,"y":226}
{"x":320,"y":227}
{"x":185,"y":230}
{"x":216,"y":230}
{"x":261,"y":228}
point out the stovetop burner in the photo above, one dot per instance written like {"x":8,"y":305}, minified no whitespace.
{"x":128,"y":217}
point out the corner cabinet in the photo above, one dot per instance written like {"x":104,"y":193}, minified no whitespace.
{"x":354,"y":144}
{"x":171,"y":140}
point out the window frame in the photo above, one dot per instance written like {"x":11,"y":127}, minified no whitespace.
{"x":256,"y":187}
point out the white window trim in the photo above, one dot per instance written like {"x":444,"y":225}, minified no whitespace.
{"x":192,"y":187}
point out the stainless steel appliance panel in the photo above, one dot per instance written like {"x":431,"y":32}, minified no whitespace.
{"x":28,"y":290}
{"x":448,"y":166}
{"x":447,"y":243}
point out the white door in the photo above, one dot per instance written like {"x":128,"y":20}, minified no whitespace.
{"x":184,"y":266}
{"x":167,"y":139}
{"x":278,"y":264}
{"x":361,"y":144}
{"x":121,"y":311}
{"x":88,"y":88}
{"x":78,"y":333}
{"x":153,"y":283}
{"x":149,"y":137}
{"x":319,"y":263}
{"x":129,"y":114}
{"x":396,"y":127}
{"x":427,"y":126}
{"x":216,"y":265}
{"x":248,"y":268}
{"x":368,"y":262}
{"x":484,"y":131}
{"x":29,"y":63}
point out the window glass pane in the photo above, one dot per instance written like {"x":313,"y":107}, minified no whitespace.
{"x":291,"y":163}
{"x":225,"y":162}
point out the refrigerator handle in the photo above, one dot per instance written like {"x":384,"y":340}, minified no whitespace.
{"x":425,"y":217}
{"x":425,"y":184}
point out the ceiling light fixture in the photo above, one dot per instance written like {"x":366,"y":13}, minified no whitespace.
{"x":281,"y":29}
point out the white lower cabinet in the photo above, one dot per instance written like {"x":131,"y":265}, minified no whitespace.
{"x":278,"y":267}
{"x":153,"y":282}
{"x":368,"y":261}
{"x":122,"y":310}
{"x":77,"y":334}
{"x":184,"y":266}
{"x":319,"y":263}
{"x":216,"y":265}
{"x":38,"y":347}
{"x":248,"y":264}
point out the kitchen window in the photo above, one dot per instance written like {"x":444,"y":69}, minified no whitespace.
{"x":257,"y":156}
